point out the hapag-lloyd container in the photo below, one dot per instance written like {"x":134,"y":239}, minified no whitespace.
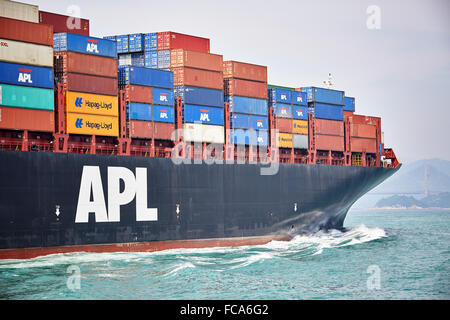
{"x":196,"y":59}
{"x":349,"y":104}
{"x":163,"y":97}
{"x":82,"y":44}
{"x":150,"y":41}
{"x":280,"y":96}
{"x":77,"y":102}
{"x":240,"y":121}
{"x":259,"y":123}
{"x":27,"y":119}
{"x":282,"y":110}
{"x":284,"y":140}
{"x":324,"y":95}
{"x":26,"y":31}
{"x":329,"y":127}
{"x":247,"y":105}
{"x":203,"y":114}
{"x":245,"y":88}
{"x":196,"y":132}
{"x":135,"y":93}
{"x":327,"y":142}
{"x":283,"y":125}
{"x":77,"y":123}
{"x":328,"y":111}
{"x":88,"y":84}
{"x":173,"y":40}
{"x":300,"y":127}
{"x":26,"y":53}
{"x":163,"y":114}
{"x":300,"y":141}
{"x":363,"y":145}
{"x":200,"y":96}
{"x":299,"y":98}
{"x":85,"y":64}
{"x":26,"y":97}
{"x":245,"y":71}
{"x":19,"y":11}
{"x":163,"y":59}
{"x":197,"y":78}
{"x":62,"y":23}
{"x":146,"y":77}
{"x":299,"y":112}
{"x":25,"y":75}
{"x":139,"y":111}
{"x":149,"y":129}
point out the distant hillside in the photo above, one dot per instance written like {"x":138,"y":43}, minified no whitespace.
{"x":441,"y":200}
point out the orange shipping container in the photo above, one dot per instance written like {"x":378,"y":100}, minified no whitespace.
{"x":363,"y":130}
{"x":196,"y":59}
{"x":326,"y":142}
{"x":27,"y":119}
{"x":85,"y":64}
{"x":300,"y":126}
{"x":197,"y":78}
{"x":245,"y":88}
{"x":363,"y":145}
{"x":141,"y":94}
{"x":245,"y":71}
{"x":330,"y":127}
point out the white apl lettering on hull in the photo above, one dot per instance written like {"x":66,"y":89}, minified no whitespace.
{"x":134,"y":187}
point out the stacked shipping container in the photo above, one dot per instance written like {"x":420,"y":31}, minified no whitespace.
{"x":26,"y":74}
{"x":62,"y":23}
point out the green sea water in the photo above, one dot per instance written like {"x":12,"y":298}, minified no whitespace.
{"x":382,"y":255}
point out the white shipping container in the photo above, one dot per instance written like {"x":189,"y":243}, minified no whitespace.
{"x":300,"y":141}
{"x":195,"y":132}
{"x":26,"y":53}
{"x":19,"y":11}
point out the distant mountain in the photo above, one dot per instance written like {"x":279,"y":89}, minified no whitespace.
{"x":441,"y":200}
{"x":411,"y":178}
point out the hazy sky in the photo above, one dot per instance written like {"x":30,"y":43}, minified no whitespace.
{"x":400,"y":72}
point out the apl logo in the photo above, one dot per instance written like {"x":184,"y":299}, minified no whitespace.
{"x":78,"y":102}
{"x":259,"y":124}
{"x":283,"y":111}
{"x":300,"y":112}
{"x":24,"y":75}
{"x":3,"y":44}
{"x":204,"y":116}
{"x":299,"y":98}
{"x":79,"y":123}
{"x":163,"y":97}
{"x":260,"y":139}
{"x":283,"y":96}
{"x":163,"y":114}
{"x":92,"y":46}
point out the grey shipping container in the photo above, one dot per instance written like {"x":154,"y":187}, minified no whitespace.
{"x":300,"y":141}
{"x":19,"y":11}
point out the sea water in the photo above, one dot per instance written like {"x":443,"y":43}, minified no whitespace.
{"x":382,"y":255}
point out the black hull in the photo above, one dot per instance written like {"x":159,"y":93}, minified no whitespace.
{"x":39,"y":196}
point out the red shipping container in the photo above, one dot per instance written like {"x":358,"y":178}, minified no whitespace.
{"x":140,"y":94}
{"x":26,"y":31}
{"x":196,"y":59}
{"x":348,"y":114}
{"x":356,"y":118}
{"x":330,"y":127}
{"x":27,"y":119}
{"x":88,"y":84}
{"x":173,"y":40}
{"x":146,"y":129}
{"x":327,"y":142}
{"x":245,"y":71}
{"x":197,"y":78}
{"x":363,"y":145}
{"x":85,"y":64}
{"x":363,"y":130}
{"x":284,"y":125}
{"x":245,"y":88}
{"x":62,"y":23}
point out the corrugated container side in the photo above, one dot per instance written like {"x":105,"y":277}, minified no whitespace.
{"x":249,"y":137}
{"x":323,"y":95}
{"x":299,"y":112}
{"x":328,"y":111}
{"x":151,"y":59}
{"x":193,"y":132}
{"x":92,"y":124}
{"x":146,"y":77}
{"x":136,"y":42}
{"x":197,"y":78}
{"x":139,"y":111}
{"x":122,"y":44}
{"x":349,"y":104}
{"x":245,"y":88}
{"x":260,"y":123}
{"x":245,"y":71}
{"x":62,"y":23}
{"x":82,"y":44}
{"x":151,"y":41}
{"x":300,"y":141}
{"x":88,"y":84}
{"x":163,"y":97}
{"x":77,"y":102}
{"x":203,"y":114}
{"x":329,"y":127}
{"x":363,"y":130}
{"x":283,"y":110}
{"x":299,"y":98}
{"x":163,"y":114}
{"x":135,"y":93}
{"x":25,"y":75}
{"x":300,"y":127}
{"x":200,"y":96}
{"x":247,"y":105}
{"x":26,"y":97}
{"x":196,"y":59}
{"x":85,"y":64}
{"x":284,"y":140}
{"x":19,"y":11}
{"x":240,"y":121}
{"x":327,"y":142}
{"x":26,"y":31}
{"x":163,"y":59}
{"x":27,"y":119}
{"x":283,"y":125}
{"x":149,"y":129}
{"x":26,"y":53}
{"x":363,"y":145}
{"x":280,"y":96}
{"x":173,"y":40}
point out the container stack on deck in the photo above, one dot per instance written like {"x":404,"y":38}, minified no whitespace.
{"x":26,"y":78}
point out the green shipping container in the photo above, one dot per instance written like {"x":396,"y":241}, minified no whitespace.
{"x":26,"y":97}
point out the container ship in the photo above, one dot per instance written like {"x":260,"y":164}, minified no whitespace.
{"x":148,"y":141}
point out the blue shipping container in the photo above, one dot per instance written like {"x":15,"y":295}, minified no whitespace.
{"x":349,"y":104}
{"x":163,"y":114}
{"x":328,"y":111}
{"x":247,"y":105}
{"x":300,"y":113}
{"x":200,"y":96}
{"x":260,"y":123}
{"x":139,"y":111}
{"x":135,"y":42}
{"x":146,"y":77}
{"x":203,"y":114}
{"x":324,"y":95}
{"x":279,"y":95}
{"x":82,"y":44}
{"x":240,"y":121}
{"x":25,"y":75}
{"x":282,"y":110}
{"x":151,"y":59}
{"x":163,"y":59}
{"x":163,"y":97}
{"x":136,"y":59}
{"x":246,"y":137}
{"x":150,"y":41}
{"x":122,"y":43}
{"x":299,"y":98}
